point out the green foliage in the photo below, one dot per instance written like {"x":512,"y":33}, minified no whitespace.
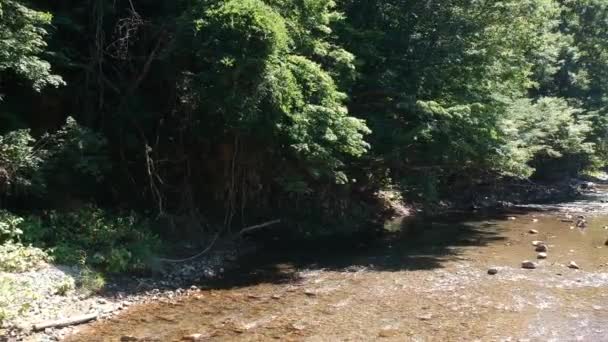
{"x":93,"y":237}
{"x":90,"y":281}
{"x":22,"y":42}
{"x":57,"y":160}
{"x":15,"y":257}
{"x":65,"y":286}
{"x":9,"y":226}
{"x":19,"y":163}
{"x":265,"y":83}
{"x":15,"y":298}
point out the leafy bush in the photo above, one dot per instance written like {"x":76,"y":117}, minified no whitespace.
{"x":90,"y":281}
{"x":15,"y":298}
{"x":93,"y":237}
{"x":9,"y":226}
{"x":15,"y":257}
{"x":20,"y":163}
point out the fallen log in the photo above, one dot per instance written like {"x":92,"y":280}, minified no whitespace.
{"x":66,"y":322}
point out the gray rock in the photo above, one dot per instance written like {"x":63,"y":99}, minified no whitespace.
{"x":542,"y":248}
{"x":527,"y":264}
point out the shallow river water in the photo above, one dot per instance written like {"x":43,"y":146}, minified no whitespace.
{"x":426,"y":281}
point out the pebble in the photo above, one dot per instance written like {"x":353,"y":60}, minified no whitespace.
{"x":533,"y":231}
{"x":512,"y":218}
{"x":542,"y":255}
{"x":542,"y":248}
{"x":193,"y":337}
{"x":535,"y":220}
{"x":573,"y":265}
{"x":425,"y":317}
{"x":536,"y":243}
{"x":128,"y":338}
{"x":492,"y":271}
{"x":527,"y":264}
{"x":606,"y":243}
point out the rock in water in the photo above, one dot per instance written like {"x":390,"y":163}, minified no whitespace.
{"x":527,"y":264}
{"x":573,"y":265}
{"x":492,"y":271}
{"x":542,"y":248}
{"x":533,"y":231}
{"x":542,"y":255}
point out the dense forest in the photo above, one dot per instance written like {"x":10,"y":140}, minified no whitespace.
{"x":129,"y":122}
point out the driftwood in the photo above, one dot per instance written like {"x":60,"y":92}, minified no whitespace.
{"x":61,"y":323}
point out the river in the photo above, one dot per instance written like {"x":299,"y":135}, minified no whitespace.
{"x":425,"y":281}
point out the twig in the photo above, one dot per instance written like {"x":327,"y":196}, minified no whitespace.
{"x":258,"y":226}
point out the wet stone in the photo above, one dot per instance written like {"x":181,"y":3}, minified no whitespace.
{"x":542,"y":255}
{"x":528,"y":265}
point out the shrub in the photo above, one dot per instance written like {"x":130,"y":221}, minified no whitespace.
{"x":15,"y":298}
{"x":91,"y":236}
{"x":91,"y":281}
{"x":9,"y":226}
{"x":15,"y":257}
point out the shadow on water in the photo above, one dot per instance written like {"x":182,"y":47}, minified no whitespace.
{"x":409,"y":244}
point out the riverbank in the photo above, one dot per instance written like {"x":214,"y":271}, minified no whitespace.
{"x":46,"y":303}
{"x":54,"y":293}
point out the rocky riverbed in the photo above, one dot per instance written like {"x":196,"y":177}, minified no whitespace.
{"x":456,"y":278}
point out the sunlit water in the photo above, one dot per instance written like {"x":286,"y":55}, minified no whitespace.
{"x":427,"y":281}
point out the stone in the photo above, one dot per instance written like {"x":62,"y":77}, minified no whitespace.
{"x":512,"y":218}
{"x":492,"y":271}
{"x":128,"y":338}
{"x":542,"y":255}
{"x":310,"y":293}
{"x":606,"y":243}
{"x":535,"y":220}
{"x":425,"y":317}
{"x":542,"y":248}
{"x":527,"y":264}
{"x":193,"y":337}
{"x":573,"y":265}
{"x":533,"y":231}
{"x":536,"y":243}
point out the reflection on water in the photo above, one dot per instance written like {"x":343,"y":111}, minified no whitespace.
{"x":425,"y":281}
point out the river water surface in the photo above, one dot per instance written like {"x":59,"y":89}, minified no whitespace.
{"x":426,"y":281}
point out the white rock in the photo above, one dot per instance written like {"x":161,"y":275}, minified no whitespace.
{"x":542,"y":255}
{"x":533,"y":231}
{"x":536,"y":243}
{"x":573,"y":265}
